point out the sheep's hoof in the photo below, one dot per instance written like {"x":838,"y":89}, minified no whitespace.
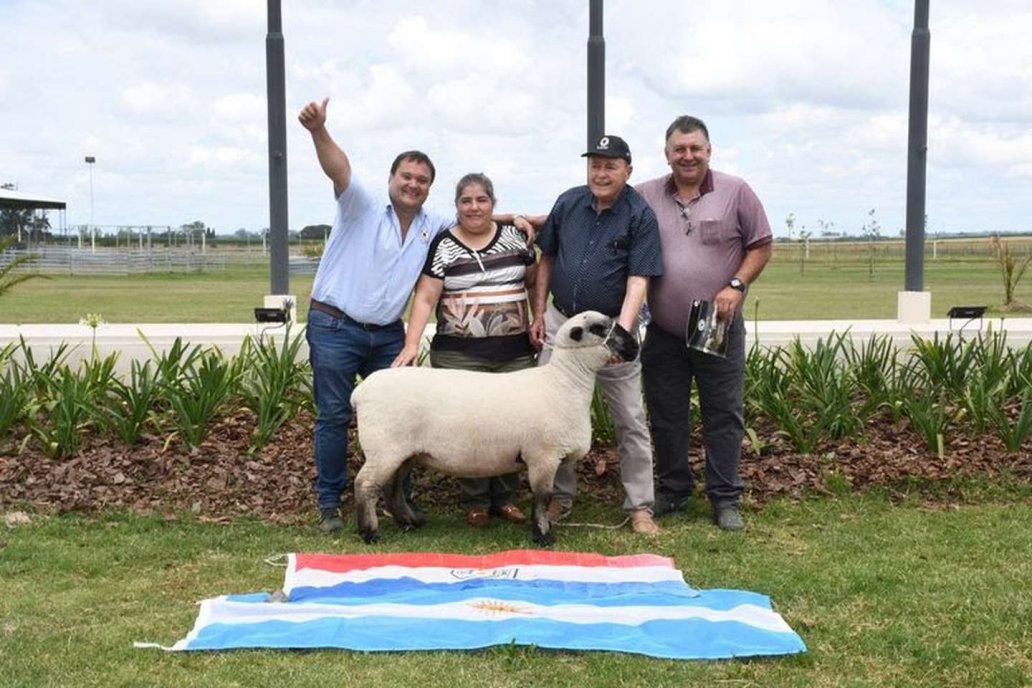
{"x":418,"y":517}
{"x":370,"y":536}
{"x":412,"y":522}
{"x":542,"y":539}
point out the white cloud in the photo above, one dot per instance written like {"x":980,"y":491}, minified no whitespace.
{"x":188,"y":20}
{"x":240,"y":107}
{"x":806,"y":100}
{"x":434,"y":50}
{"x":221,"y":156}
{"x":151,"y":98}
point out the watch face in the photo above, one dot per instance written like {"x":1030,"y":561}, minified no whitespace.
{"x":737,"y":284}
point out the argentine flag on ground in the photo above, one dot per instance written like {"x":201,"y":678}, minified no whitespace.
{"x":430,"y":601}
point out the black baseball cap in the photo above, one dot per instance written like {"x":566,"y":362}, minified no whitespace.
{"x":609,"y":146}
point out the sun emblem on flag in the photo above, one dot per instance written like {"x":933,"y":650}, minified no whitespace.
{"x":497,"y":607}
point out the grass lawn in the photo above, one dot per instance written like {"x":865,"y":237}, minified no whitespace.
{"x":228,"y":295}
{"x":836,"y":282}
{"x":885,"y":593}
{"x":830,"y":291}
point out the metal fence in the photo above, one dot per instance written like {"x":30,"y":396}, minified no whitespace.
{"x":73,"y":261}
{"x":303,"y":265}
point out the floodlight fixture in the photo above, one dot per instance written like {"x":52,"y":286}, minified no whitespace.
{"x":271,"y":315}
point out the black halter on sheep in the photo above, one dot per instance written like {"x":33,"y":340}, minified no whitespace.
{"x":473,"y":425}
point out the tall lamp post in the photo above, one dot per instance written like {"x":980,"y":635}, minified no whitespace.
{"x":90,"y":160}
{"x":279,"y":261}
{"x":915,"y":304}
{"x":596,"y":74}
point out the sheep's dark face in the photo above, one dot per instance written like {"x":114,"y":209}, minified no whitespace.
{"x":594,"y":329}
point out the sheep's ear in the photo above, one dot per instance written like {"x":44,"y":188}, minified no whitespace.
{"x":577,"y":333}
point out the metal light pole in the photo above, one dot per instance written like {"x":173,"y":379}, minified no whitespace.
{"x":596,"y":75}
{"x":279,"y":267}
{"x":913,"y":304}
{"x":90,"y":160}
{"x":917,"y":158}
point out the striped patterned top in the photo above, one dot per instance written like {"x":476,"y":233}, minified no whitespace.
{"x":483,"y":307}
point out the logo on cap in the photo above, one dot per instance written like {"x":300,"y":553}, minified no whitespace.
{"x":610,"y":147}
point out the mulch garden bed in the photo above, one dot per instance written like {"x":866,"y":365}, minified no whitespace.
{"x":219,"y":480}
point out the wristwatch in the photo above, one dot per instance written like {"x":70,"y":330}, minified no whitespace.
{"x":738,"y":284}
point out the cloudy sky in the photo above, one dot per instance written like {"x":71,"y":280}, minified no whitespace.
{"x":806,"y":99}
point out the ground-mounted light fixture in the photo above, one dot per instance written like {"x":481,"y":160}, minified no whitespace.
{"x":272,"y":315}
{"x":967,"y":314}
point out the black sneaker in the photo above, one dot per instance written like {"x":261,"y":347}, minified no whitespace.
{"x":330,"y":520}
{"x":668,"y":504}
{"x":729,"y":518}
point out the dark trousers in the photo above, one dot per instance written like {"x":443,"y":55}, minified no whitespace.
{"x":668,"y":369}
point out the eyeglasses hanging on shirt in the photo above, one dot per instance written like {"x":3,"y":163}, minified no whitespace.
{"x":686,"y":215}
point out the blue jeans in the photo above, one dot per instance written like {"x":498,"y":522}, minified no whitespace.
{"x":339,"y":351}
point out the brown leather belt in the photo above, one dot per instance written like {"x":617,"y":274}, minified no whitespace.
{"x":341,"y":315}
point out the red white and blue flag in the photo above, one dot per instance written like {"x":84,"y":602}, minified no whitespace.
{"x":430,"y":601}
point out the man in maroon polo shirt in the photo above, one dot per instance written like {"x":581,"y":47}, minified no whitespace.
{"x":716,"y":241}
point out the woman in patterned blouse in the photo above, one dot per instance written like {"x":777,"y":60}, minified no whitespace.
{"x":476,"y":277}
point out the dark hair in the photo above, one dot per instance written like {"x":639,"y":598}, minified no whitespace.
{"x":414,"y":156}
{"x":686,"y":124}
{"x":475,"y":178}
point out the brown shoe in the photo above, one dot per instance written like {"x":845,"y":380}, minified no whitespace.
{"x":642,"y":523}
{"x":511,"y":513}
{"x":558,"y":510}
{"x":478,"y":518}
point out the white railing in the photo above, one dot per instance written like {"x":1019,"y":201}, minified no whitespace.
{"x":73,"y":261}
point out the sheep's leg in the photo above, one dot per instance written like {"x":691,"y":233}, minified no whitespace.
{"x":541,"y":526}
{"x":392,"y":494}
{"x":400,"y":507}
{"x":541,"y":475}
{"x":367,"y":492}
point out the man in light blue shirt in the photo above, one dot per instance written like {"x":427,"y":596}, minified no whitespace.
{"x":369,"y":266}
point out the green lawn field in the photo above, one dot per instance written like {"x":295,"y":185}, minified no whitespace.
{"x":885,"y":591}
{"x":911,"y":585}
{"x":838,"y":281}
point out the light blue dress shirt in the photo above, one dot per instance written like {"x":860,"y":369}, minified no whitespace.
{"x":366,"y":270}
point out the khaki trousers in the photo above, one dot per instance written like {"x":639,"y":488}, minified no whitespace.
{"x":621,"y":388}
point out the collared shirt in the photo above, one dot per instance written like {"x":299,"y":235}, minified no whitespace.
{"x":366,"y":270}
{"x":596,"y":252}
{"x":482,"y":311}
{"x":704,"y":242}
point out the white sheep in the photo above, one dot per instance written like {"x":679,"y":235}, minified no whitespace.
{"x":473,"y":425}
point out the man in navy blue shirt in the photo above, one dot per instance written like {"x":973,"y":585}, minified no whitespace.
{"x":600,"y":245}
